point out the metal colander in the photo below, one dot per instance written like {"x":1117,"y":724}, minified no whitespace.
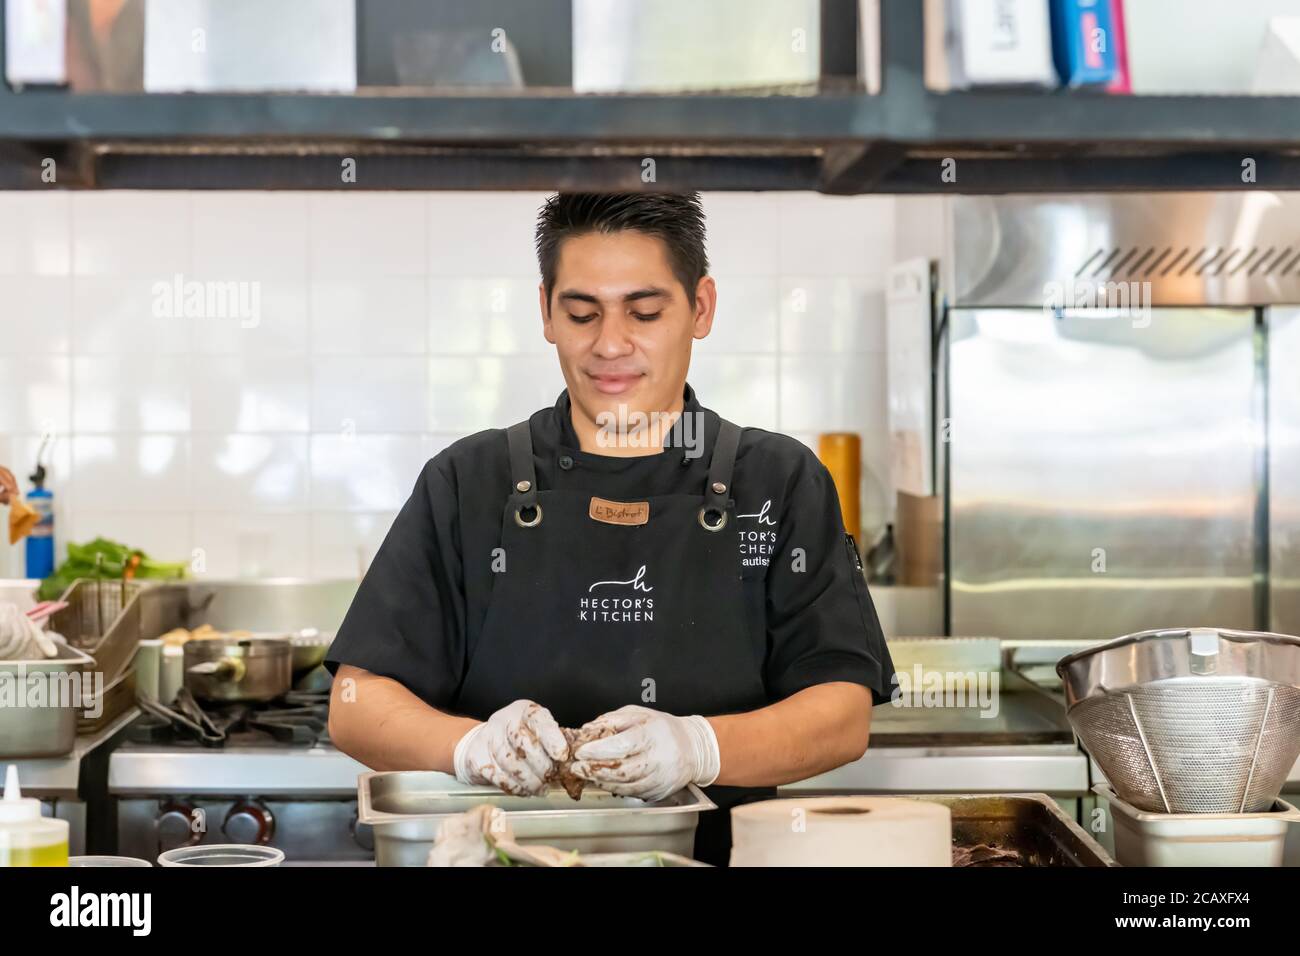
{"x":1192,"y":720}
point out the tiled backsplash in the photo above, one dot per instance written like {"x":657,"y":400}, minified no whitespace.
{"x":281,"y":438}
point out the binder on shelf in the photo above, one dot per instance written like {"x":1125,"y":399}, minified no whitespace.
{"x":1083,"y":42}
{"x":1122,"y":84}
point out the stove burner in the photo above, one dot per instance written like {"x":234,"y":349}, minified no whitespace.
{"x":298,"y":718}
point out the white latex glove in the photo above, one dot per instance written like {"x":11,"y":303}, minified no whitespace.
{"x":513,"y":750}
{"x":21,"y":639}
{"x":651,"y":755}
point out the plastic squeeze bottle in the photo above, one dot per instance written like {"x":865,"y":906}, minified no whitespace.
{"x":26,"y":837}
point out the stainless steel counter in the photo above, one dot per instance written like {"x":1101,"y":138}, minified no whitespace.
{"x":1022,"y":744}
{"x":324,"y":771}
{"x":1019,"y":742}
{"x":308,"y":772}
{"x":1059,"y":770}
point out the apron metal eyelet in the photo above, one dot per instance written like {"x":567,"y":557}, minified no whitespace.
{"x":537,"y":519}
{"x":704,"y":521}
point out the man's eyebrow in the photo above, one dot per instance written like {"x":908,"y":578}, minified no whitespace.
{"x":577,"y":296}
{"x":650,"y":292}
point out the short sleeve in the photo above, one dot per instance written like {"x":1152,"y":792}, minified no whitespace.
{"x":407,"y":619}
{"x":822,"y":625}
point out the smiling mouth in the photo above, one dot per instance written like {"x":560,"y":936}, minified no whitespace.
{"x":614,"y":384}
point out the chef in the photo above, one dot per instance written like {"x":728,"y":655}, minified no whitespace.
{"x":625,"y":561}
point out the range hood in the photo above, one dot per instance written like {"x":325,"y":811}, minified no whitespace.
{"x":1184,"y":249}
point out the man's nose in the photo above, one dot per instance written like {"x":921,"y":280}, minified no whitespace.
{"x":613,"y":338}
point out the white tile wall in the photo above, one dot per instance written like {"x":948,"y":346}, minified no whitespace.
{"x":282,"y":438}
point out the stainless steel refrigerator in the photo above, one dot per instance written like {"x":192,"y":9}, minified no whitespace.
{"x":1121,"y":406}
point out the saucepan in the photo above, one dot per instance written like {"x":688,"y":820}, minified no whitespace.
{"x":309,"y":649}
{"x":239,"y":669}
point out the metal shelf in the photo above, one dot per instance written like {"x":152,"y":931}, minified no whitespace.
{"x":838,"y":140}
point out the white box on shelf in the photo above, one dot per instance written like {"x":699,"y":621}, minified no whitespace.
{"x":684,"y":45}
{"x":1277,"y":73}
{"x":244,"y":46}
{"x":36,"y":35}
{"x":999,"y":43}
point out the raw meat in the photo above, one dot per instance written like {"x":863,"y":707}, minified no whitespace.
{"x":983,"y":854}
{"x":563,"y":773}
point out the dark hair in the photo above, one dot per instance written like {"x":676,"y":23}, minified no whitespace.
{"x":677,"y":219}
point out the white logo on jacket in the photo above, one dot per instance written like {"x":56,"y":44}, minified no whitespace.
{"x":761,"y":514}
{"x":619,"y":608}
{"x":756,"y":546}
{"x":635,"y":581}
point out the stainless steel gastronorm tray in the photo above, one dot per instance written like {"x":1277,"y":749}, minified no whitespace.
{"x":405,"y":809}
{"x":48,"y":731}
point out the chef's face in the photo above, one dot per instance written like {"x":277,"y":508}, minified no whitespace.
{"x":622,"y":323}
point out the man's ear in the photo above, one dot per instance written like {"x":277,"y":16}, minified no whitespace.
{"x":706,"y":301}
{"x":542,"y":304}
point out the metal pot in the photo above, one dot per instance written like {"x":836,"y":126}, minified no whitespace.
{"x":238,"y":669}
{"x":310,"y":646}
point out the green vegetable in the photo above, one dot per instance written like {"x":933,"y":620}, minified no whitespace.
{"x":81,"y":563}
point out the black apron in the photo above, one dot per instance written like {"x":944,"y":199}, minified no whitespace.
{"x":590,"y":615}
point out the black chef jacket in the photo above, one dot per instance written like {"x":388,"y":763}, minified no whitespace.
{"x":424,"y":599}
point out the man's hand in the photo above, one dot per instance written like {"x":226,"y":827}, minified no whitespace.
{"x":651,"y":755}
{"x":515,"y":750}
{"x":8,"y":486}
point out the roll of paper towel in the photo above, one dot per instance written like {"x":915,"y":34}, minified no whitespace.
{"x":841,"y":831}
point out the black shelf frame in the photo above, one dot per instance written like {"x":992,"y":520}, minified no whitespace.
{"x":838,"y":141}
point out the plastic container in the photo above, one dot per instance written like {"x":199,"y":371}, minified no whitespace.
{"x":222,"y":854}
{"x":171,"y":675}
{"x":108,"y":861}
{"x":40,"y":542}
{"x":1198,"y":839}
{"x":26,"y":837}
{"x":148,"y":668}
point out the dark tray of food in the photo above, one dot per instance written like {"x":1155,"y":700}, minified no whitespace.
{"x":1016,"y":830}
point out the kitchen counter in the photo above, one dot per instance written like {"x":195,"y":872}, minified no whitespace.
{"x":1025,"y":744}
{"x":325,"y":771}
{"x":1058,"y":770}
{"x":318,"y":771}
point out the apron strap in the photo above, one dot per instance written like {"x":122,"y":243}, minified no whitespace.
{"x":523,"y":477}
{"x":718,"y":491}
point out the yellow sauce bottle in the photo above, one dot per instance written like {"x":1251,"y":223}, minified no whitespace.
{"x":26,"y":837}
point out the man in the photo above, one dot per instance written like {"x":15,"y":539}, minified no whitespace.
{"x":626,"y":562}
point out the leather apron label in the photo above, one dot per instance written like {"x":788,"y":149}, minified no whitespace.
{"x":619,"y":512}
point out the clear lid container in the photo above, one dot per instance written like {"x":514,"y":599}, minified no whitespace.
{"x":107,"y":861}
{"x":222,"y":854}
